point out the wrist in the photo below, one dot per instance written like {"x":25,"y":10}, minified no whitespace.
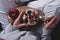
{"x":14,"y":27}
{"x":46,"y":31}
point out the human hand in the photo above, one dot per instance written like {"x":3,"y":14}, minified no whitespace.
{"x":17,"y":23}
{"x":50,"y":22}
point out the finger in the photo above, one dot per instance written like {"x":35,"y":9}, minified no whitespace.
{"x":53,"y":25}
{"x":46,"y":20}
{"x":29,"y":21}
{"x":25,"y":17}
{"x":17,"y":21}
{"x":53,"y":19}
{"x":51,"y":22}
{"x":19,"y":17}
{"x":49,"y":19}
{"x":22,"y":25}
{"x":21,"y":14}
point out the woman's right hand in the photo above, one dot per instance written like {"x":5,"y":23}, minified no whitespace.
{"x":17,"y":23}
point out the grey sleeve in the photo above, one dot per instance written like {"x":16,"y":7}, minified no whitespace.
{"x":10,"y":33}
{"x":46,"y":34}
{"x":9,"y":28}
{"x":57,"y":13}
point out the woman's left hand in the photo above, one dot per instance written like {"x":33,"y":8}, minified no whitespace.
{"x":50,"y":22}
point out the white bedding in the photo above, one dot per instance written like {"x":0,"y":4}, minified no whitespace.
{"x":39,"y":4}
{"x":3,"y":20}
{"x":5,"y":5}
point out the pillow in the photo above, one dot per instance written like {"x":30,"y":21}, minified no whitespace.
{"x":37,"y":4}
{"x":5,"y":5}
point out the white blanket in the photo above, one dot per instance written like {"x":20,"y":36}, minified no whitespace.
{"x":5,"y":6}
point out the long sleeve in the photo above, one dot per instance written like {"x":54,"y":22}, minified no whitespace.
{"x":46,"y":34}
{"x":9,"y":28}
